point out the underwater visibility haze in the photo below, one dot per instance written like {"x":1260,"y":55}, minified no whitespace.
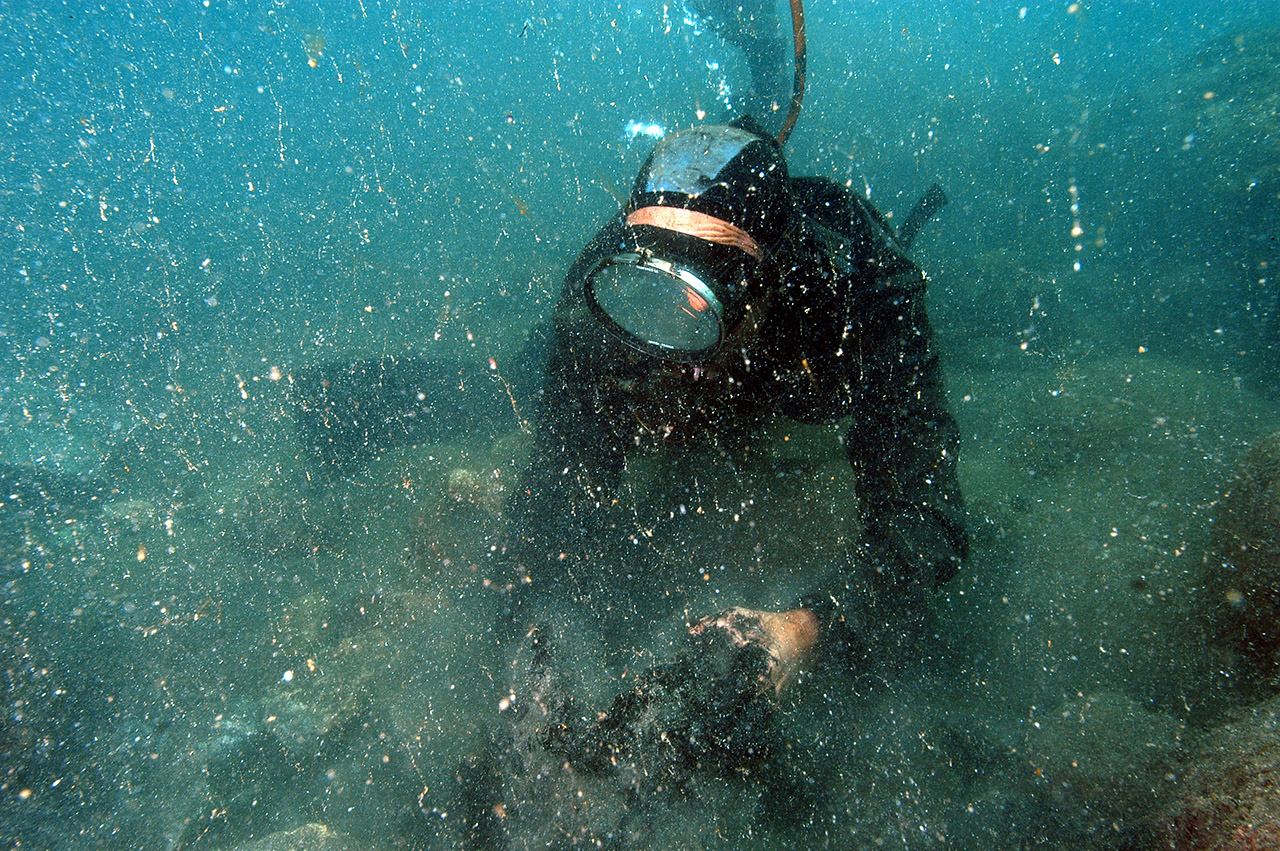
{"x":247,"y":586}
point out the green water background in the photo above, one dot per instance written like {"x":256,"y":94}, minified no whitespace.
{"x":198,"y":203}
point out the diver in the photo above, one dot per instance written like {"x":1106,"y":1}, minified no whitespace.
{"x":724,"y":291}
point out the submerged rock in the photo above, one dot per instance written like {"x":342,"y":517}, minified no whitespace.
{"x":51,"y":495}
{"x":485,"y":490}
{"x":1232,"y":88}
{"x":131,"y":515}
{"x":248,"y":784}
{"x":1227,"y":796}
{"x":351,"y":412}
{"x":1242,"y":584}
{"x":1103,"y":760}
{"x":309,"y":837}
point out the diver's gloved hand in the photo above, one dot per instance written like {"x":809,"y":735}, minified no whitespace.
{"x":787,"y":639}
{"x":707,"y":710}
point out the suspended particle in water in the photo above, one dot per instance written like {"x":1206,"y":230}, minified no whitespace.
{"x":313,"y":44}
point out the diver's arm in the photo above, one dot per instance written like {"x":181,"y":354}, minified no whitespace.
{"x":903,"y":450}
{"x":557,"y":513}
{"x":574,"y":466}
{"x":882,"y":371}
{"x":901,"y":444}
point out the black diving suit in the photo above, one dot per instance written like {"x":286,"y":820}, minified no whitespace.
{"x":842,"y":334}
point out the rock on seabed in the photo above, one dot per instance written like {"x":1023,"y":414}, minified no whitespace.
{"x":1229,"y":795}
{"x":1243,"y":579}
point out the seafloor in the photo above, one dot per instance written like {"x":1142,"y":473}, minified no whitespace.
{"x":215,"y":633}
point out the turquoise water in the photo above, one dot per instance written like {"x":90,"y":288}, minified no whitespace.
{"x":208,"y":636}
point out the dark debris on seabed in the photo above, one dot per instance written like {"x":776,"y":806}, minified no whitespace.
{"x":684,"y":756}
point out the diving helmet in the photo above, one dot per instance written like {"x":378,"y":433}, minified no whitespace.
{"x":708,"y":209}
